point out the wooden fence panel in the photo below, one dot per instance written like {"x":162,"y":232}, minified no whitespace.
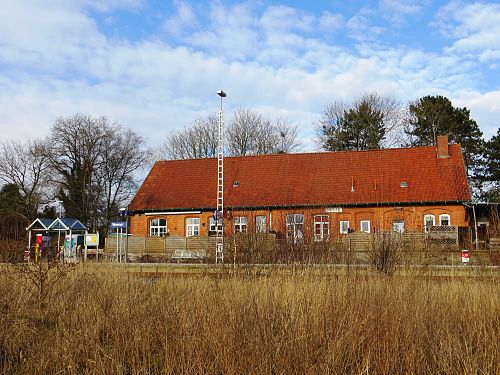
{"x":495,"y":243}
{"x":155,"y":245}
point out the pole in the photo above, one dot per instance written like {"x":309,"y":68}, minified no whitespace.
{"x":117,"y":244}
{"x":219,"y":212}
{"x":475,"y":226}
{"x":59,"y":245}
{"x":29,"y":245}
{"x":85,"y":243}
{"x":126,"y":236}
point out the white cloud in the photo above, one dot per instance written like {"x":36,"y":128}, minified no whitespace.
{"x":361,"y":28}
{"x":475,"y":28}
{"x":109,"y":5}
{"x":183,"y":20}
{"x":484,"y":107}
{"x":51,"y":38}
{"x":330,"y":22}
{"x":401,"y":6}
{"x":284,"y":18}
{"x":65,"y":64}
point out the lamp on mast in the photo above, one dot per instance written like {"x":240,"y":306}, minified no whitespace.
{"x":219,"y":211}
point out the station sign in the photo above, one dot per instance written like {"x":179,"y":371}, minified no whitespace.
{"x":118,"y":224}
{"x":333,"y":209}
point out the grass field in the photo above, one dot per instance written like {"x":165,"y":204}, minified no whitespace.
{"x":99,"y":320}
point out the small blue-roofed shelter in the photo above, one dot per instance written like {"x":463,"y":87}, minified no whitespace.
{"x":68,"y":226}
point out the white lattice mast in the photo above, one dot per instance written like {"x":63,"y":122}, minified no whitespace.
{"x":219,"y":212}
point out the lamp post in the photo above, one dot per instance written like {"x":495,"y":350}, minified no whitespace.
{"x":219,"y":212}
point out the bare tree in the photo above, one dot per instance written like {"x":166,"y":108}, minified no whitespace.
{"x":25,"y":166}
{"x":122,"y":155}
{"x":94,"y":162}
{"x":249,"y":133}
{"x":286,"y":136}
{"x":198,"y":140}
{"x":245,"y":131}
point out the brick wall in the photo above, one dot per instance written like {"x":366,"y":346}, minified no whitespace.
{"x":381,"y":219}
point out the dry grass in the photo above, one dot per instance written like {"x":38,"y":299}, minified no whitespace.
{"x":108,"y":322}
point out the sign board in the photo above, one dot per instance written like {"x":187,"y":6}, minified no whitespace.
{"x":465,"y":256}
{"x":333,"y":209}
{"x":118,"y":224}
{"x":92,"y":239}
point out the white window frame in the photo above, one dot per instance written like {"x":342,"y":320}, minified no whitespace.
{"x":361,"y":226}
{"x":261,"y":227}
{"x":240,"y":224}
{"x":192,"y":226}
{"x":398,"y":226}
{"x":429,"y":216}
{"x":156,"y":229}
{"x":443,"y":216}
{"x":324,"y":227}
{"x":342,"y":231}
{"x":212,"y":228}
{"x":295,"y":227}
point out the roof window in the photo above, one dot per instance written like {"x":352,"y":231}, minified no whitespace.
{"x":404,"y":184}
{"x":236,"y":183}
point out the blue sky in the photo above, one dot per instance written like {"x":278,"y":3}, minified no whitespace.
{"x":154,"y":66}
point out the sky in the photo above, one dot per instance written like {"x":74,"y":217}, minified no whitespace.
{"x":154,"y":66}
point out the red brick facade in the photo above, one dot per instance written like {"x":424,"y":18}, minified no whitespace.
{"x":380,"y":219}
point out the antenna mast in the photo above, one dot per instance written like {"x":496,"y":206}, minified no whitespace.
{"x":219,"y":212}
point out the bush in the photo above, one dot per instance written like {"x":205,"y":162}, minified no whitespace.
{"x":386,"y":252}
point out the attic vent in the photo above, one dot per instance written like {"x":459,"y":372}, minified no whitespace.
{"x":236,"y":183}
{"x":404,"y":184}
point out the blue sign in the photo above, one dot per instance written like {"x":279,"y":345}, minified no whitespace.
{"x":118,"y":224}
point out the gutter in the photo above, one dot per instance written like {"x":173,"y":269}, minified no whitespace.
{"x":187,"y":210}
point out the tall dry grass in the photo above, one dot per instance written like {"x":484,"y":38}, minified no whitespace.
{"x":100,"y":321}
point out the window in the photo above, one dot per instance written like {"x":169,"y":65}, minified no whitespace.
{"x":321,"y":227}
{"x":429,"y":221}
{"x":157,"y":227}
{"x":213,"y":227}
{"x":192,"y":226}
{"x":261,"y":224}
{"x":398,"y":226}
{"x":344,"y":227}
{"x":295,"y":227}
{"x":444,"y":219}
{"x":365,"y":226}
{"x":240,"y":224}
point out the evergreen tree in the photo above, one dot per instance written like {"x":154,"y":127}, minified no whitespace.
{"x":10,"y":198}
{"x":431,"y":116}
{"x":363,"y":125}
{"x":491,"y":171}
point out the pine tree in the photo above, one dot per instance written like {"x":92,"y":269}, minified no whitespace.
{"x":431,"y":116}
{"x":363,"y":125}
{"x":491,"y":171}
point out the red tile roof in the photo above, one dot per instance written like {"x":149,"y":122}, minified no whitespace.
{"x":324,"y":178}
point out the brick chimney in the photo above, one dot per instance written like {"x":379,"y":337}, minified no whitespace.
{"x":442,"y":146}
